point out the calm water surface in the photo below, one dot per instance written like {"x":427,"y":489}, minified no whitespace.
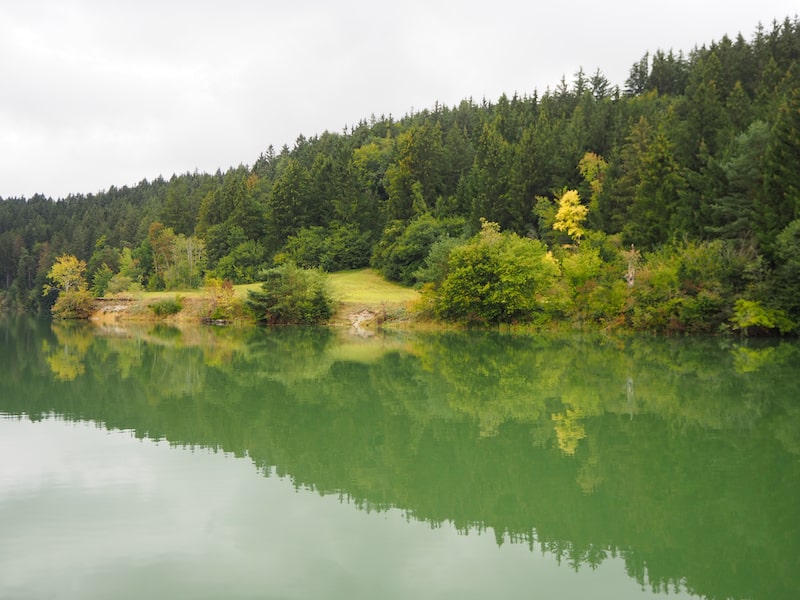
{"x":301,"y":463}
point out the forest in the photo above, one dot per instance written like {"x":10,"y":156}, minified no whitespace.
{"x":671,"y":204}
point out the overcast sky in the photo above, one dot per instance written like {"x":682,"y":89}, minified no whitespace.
{"x":95,"y":93}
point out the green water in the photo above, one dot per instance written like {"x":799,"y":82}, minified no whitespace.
{"x":298,"y":463}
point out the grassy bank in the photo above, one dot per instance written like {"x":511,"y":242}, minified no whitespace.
{"x":362,"y":292}
{"x":366,"y":295}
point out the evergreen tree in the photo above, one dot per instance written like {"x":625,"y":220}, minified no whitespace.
{"x":781,"y":172}
{"x":737,"y":213}
{"x":287,"y":208}
{"x":491,"y":180}
{"x":658,"y":182}
{"x":636,"y":83}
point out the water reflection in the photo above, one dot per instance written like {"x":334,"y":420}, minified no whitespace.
{"x":682,"y":457}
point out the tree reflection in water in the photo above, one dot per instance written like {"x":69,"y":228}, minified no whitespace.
{"x":680,"y":455}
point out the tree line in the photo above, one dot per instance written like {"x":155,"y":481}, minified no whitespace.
{"x":670,"y":204}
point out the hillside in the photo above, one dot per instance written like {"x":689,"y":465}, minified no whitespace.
{"x":700,"y":149}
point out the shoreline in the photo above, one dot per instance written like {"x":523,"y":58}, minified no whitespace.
{"x":362,"y":317}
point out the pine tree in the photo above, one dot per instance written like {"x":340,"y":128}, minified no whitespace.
{"x":781,"y":172}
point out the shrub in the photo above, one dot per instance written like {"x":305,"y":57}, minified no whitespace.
{"x":582,"y":266}
{"x":684,"y":287}
{"x":787,"y":273}
{"x":496,"y":278}
{"x":225,"y":303}
{"x":166,"y":307}
{"x":291,"y":295}
{"x":434,"y":267}
{"x":750,"y":316}
{"x":74,"y":304}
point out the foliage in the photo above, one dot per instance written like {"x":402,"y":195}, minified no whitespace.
{"x":579,"y":268}
{"x":77,"y":303}
{"x":225,"y":303}
{"x":689,"y":287}
{"x":160,"y":240}
{"x":750,"y":316}
{"x":335,"y":248}
{"x":291,"y":295}
{"x":403,"y":248}
{"x":570,"y":215}
{"x":496,"y":278}
{"x":129,"y":276}
{"x":435,"y":266}
{"x":787,"y":273}
{"x":781,"y":176}
{"x":101,"y":280}
{"x":657,"y":292}
{"x":737,"y":210}
{"x":243,"y":263}
{"x":593,"y":169}
{"x":166,"y":306}
{"x":74,"y":299}
{"x":67,"y":274}
{"x":104,"y":257}
{"x":120,"y":283}
{"x":187,"y":264}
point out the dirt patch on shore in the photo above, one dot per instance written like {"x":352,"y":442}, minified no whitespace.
{"x":365,"y":322}
{"x":114,"y":310}
{"x":111,"y":310}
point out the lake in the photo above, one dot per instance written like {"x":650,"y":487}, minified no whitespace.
{"x":310,"y":463}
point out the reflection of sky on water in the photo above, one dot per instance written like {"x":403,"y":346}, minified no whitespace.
{"x":88,"y":513}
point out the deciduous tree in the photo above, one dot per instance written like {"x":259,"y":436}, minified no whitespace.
{"x":571,"y":215}
{"x":496,"y":278}
{"x":74,"y":300}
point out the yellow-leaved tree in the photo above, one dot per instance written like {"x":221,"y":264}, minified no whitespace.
{"x":570,"y":215}
{"x":74,"y":299}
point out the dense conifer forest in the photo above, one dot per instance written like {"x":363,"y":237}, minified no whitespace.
{"x":671,"y":204}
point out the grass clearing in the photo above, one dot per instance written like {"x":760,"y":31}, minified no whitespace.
{"x":353,"y":290}
{"x":363,"y":286}
{"x":368,"y":287}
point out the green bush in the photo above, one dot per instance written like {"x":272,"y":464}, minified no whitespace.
{"x":166,"y":307}
{"x":496,"y":278}
{"x":402,"y":250}
{"x":787,"y":273}
{"x":292,"y":296}
{"x":750,"y":316}
{"x":685,"y":287}
{"x":582,"y":266}
{"x":434,"y":267}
